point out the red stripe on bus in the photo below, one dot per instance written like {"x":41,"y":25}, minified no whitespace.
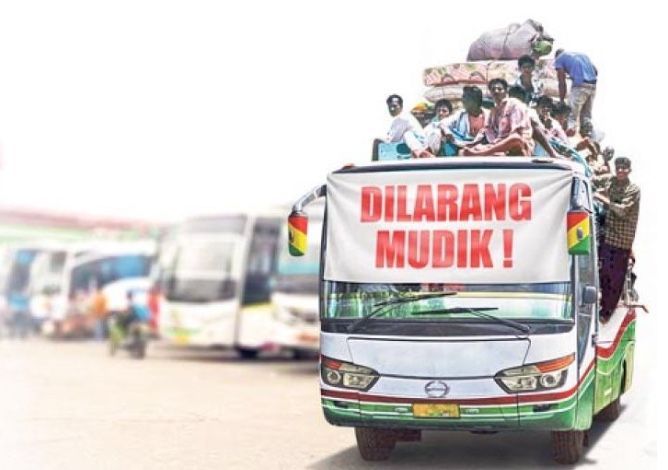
{"x":605,"y":353}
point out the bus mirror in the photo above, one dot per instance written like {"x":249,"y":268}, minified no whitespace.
{"x":589,"y":295}
{"x":297,"y":233}
{"x":579,"y":234}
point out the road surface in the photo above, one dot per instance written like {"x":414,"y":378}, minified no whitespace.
{"x":70,"y":406}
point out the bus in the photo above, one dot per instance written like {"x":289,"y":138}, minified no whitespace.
{"x":462,"y":294}
{"x":15,"y":277}
{"x":215,"y":281}
{"x":64,"y":282}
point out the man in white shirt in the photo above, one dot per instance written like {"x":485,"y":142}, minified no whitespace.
{"x":405,"y":128}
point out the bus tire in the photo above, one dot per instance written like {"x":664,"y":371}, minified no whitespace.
{"x":614,"y":409}
{"x":247,"y":353}
{"x":375,"y":444}
{"x":567,"y":446}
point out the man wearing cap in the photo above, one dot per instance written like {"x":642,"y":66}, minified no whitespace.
{"x":622,"y":199}
{"x":583,"y":75}
{"x":405,"y":128}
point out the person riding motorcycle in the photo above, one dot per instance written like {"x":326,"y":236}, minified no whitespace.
{"x":128,"y":325}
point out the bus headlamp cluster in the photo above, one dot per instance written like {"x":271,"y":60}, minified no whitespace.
{"x":535,"y":377}
{"x":346,"y":375}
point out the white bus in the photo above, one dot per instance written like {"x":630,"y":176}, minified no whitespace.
{"x":215,"y":276}
{"x":15,"y":277}
{"x":62,"y":282}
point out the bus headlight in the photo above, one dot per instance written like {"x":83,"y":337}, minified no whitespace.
{"x":535,"y":377}
{"x":346,"y":375}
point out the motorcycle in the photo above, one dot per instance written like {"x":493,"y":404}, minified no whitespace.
{"x":133,"y":337}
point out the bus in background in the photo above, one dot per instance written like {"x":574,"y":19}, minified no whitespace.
{"x":112,"y":268}
{"x":295,"y":292}
{"x":215,"y":279}
{"x":15,"y":277}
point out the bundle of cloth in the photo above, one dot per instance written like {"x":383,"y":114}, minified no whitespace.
{"x":448,"y":81}
{"x":511,"y":42}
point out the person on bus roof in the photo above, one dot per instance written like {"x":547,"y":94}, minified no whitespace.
{"x":584,"y":75}
{"x":509,"y":130}
{"x":527,"y":80}
{"x":433,"y":129}
{"x":461,"y":127}
{"x":405,"y":128}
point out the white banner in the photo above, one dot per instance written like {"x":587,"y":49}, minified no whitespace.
{"x":470,"y":226}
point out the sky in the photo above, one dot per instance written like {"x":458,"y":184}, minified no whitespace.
{"x":163,"y":109}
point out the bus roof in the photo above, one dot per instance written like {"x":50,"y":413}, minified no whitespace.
{"x":492,"y":163}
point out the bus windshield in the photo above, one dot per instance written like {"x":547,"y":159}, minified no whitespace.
{"x":100,"y":272}
{"x":545,"y":301}
{"x":200,"y":270}
{"x":47,"y":271}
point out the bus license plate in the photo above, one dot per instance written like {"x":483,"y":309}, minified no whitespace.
{"x":427,"y":410}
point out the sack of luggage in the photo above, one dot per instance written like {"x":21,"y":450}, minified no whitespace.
{"x":511,"y":42}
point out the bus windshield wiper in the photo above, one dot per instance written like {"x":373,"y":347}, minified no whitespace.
{"x":479,"y":312}
{"x":379,"y":307}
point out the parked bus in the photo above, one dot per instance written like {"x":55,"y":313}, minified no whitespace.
{"x":66,"y":280}
{"x":461,"y":294}
{"x":15,"y":276}
{"x":215,"y":278}
{"x":295,"y":293}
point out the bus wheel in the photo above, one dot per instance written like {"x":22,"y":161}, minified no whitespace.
{"x":247,"y":353}
{"x":567,"y":446}
{"x":375,"y":444}
{"x":614,"y":409}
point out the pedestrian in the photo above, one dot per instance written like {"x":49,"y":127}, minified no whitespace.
{"x":621,"y":198}
{"x":98,"y":310}
{"x":583,"y":75}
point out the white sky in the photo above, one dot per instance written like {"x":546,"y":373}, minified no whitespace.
{"x":165,"y":109}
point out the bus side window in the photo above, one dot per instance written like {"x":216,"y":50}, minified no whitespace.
{"x":261,"y":261}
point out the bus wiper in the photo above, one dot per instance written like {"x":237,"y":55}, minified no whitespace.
{"x":410,"y":298}
{"x":378,"y":307}
{"x":479,"y":312}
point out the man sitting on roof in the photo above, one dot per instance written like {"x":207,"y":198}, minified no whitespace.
{"x":508,"y":131}
{"x":425,"y":113}
{"x":460,"y":128}
{"x":405,"y":128}
{"x":433,"y":129}
{"x":549,"y":126}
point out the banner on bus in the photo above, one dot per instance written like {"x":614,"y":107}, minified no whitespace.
{"x":476,"y":226}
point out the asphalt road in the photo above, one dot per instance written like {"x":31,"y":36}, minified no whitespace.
{"x":70,"y":406}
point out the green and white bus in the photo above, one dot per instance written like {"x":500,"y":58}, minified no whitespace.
{"x":461,"y":294}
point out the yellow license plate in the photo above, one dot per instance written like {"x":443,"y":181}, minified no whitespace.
{"x":427,"y":410}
